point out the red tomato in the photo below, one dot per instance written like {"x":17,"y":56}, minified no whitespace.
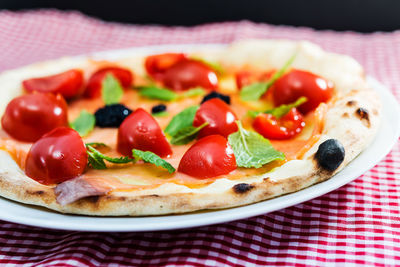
{"x":284,"y":128}
{"x":190,"y":73}
{"x":156,"y":65}
{"x":140,"y":131}
{"x":245,"y":77}
{"x":56,"y":157}
{"x":93,"y":88}
{"x":298,"y":83}
{"x":220,"y":117}
{"x":69,"y":84}
{"x":209,"y":157}
{"x":28,"y":117}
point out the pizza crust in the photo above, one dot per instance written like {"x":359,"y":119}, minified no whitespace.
{"x":357,"y":109}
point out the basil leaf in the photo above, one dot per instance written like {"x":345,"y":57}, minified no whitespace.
{"x":96,"y":144}
{"x":154,"y":92}
{"x":280,"y":111}
{"x":96,"y":158}
{"x":152,"y":158}
{"x":95,"y":162}
{"x":84,"y":124}
{"x":254,"y":91}
{"x":194,"y":92}
{"x":111,"y":90}
{"x":181,"y":120}
{"x":187,"y":134}
{"x":251,"y":149}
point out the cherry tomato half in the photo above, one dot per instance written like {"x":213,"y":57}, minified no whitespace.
{"x":156,"y":65}
{"x":58,"y":156}
{"x":298,"y":83}
{"x":93,"y":88}
{"x":69,"y":84}
{"x":190,"y":73}
{"x":284,"y":128}
{"x":28,"y":117}
{"x":140,"y":131}
{"x":220,"y":117}
{"x":209,"y":157}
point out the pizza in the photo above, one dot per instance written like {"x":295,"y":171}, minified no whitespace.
{"x":181,"y":131}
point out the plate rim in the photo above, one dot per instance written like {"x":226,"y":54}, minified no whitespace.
{"x":132,"y":224}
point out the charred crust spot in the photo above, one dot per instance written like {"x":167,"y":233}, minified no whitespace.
{"x":39,"y":192}
{"x":351,"y":103}
{"x":330,"y":154}
{"x":345,"y":115}
{"x":242,"y":188}
{"x":362,"y":113}
{"x":155,"y":195}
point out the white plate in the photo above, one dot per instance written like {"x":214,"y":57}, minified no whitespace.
{"x":387,"y":136}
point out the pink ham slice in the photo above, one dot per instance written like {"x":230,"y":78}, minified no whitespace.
{"x":80,"y":187}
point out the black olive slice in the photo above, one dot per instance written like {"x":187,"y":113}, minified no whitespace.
{"x":214,"y":94}
{"x":159,"y":108}
{"x":330,"y":154}
{"x":112,"y":115}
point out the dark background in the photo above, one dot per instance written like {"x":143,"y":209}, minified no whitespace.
{"x":357,"y":15}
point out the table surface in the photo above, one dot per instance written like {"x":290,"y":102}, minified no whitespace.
{"x":356,"y":224}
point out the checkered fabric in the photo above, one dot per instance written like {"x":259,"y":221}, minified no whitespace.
{"x":357,"y":224}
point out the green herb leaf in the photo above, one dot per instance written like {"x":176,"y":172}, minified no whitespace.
{"x":84,"y":124}
{"x":96,"y":144}
{"x":181,"y":120}
{"x":160,"y":114}
{"x":187,"y":134}
{"x":212,"y":64}
{"x":152,"y":158}
{"x":111,"y":90}
{"x":96,"y":162}
{"x":254,"y":91}
{"x":280,"y":111}
{"x":251,"y":149}
{"x":96,"y":158}
{"x":154,"y":92}
{"x":194,"y":92}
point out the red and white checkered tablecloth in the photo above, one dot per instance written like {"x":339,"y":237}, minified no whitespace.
{"x":357,"y":224}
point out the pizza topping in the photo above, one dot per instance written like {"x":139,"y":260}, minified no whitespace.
{"x":112,"y":115}
{"x":28,"y":117}
{"x":285,"y":127}
{"x":181,"y":120}
{"x":96,"y":81}
{"x":96,"y":158}
{"x":158,"y":108}
{"x":69,"y":84}
{"x":187,"y":134}
{"x":209,"y":157}
{"x":111,"y":91}
{"x":80,"y":187}
{"x":280,"y":111}
{"x":251,"y":149}
{"x":198,"y":91}
{"x":220,"y":117}
{"x":212,"y":64}
{"x":156,"y":65}
{"x":140,"y":131}
{"x":254,"y":91}
{"x":56,"y":157}
{"x":154,"y":92}
{"x":214,"y":94}
{"x":298,"y":83}
{"x":330,"y":154}
{"x":188,"y":74}
{"x":84,"y":124}
{"x":246,"y":77}
{"x":152,"y":158}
